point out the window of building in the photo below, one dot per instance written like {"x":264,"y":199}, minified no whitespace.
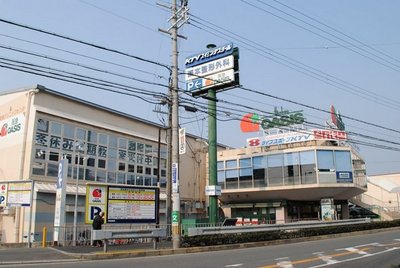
{"x":275,"y":169}
{"x":245,"y":177}
{"x":130,"y":179}
{"x":231,"y":163}
{"x":220,"y":165}
{"x":90,"y":174}
{"x":326,"y":166}
{"x":132,"y":146}
{"x":111,"y":177}
{"x":231,"y":178}
{"x":112,"y":141}
{"x":291,"y":168}
{"x":42,"y":125}
{"x":121,"y":166}
{"x":343,"y":161}
{"x":103,"y":139}
{"x":91,"y":162}
{"x":260,"y":171}
{"x":55,"y":128}
{"x":81,"y":134}
{"x":52,"y":170}
{"x":307,"y":167}
{"x":139,"y":169}
{"x":120,"y":178}
{"x":101,"y":176}
{"x":69,"y":131}
{"x":122,"y":143}
{"x":139,"y":180}
{"x":101,"y":163}
{"x":221,"y":178}
{"x":245,"y":162}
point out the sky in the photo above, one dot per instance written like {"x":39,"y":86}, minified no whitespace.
{"x":294,"y":55}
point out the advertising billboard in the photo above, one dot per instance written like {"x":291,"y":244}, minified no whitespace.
{"x":122,"y":204}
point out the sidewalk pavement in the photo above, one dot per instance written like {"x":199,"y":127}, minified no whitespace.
{"x":19,"y":255}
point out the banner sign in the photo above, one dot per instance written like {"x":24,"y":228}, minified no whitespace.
{"x":292,"y":137}
{"x":209,"y":55}
{"x":19,"y":194}
{"x":344,"y":177}
{"x":327,"y":209}
{"x":209,"y":68}
{"x":175,"y":179}
{"x":59,"y":211}
{"x":122,"y":204}
{"x":182,"y":141}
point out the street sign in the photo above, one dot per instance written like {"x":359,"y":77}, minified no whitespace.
{"x":209,"y":68}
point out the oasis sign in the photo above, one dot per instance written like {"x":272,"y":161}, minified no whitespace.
{"x":279,"y":118}
{"x":11,"y":125}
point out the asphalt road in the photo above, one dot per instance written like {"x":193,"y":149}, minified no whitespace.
{"x":367,"y":251}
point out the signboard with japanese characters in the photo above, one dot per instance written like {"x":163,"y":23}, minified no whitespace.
{"x":216,"y":68}
{"x":122,"y":204}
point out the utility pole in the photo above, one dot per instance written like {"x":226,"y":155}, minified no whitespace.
{"x":178,"y":18}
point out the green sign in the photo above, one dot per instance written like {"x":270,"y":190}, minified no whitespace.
{"x":282,"y":118}
{"x":175,"y":217}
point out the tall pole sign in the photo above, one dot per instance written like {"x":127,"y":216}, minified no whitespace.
{"x":207,"y":73}
{"x":59,"y":213}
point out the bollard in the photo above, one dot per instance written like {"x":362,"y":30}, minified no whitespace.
{"x":44,"y":237}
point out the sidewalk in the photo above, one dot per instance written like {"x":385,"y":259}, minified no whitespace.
{"x":19,"y":255}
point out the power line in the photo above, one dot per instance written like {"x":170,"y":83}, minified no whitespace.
{"x":294,"y":64}
{"x":85,"y":43}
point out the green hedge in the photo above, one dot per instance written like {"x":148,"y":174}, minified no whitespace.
{"x":226,"y":239}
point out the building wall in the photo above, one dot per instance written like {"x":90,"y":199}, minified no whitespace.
{"x":34,"y":104}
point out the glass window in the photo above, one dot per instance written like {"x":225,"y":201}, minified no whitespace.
{"x":55,"y":142}
{"x":147,"y":171}
{"x":139,"y":158}
{"x":130,"y":179}
{"x":148,"y":149}
{"x":140,"y":147}
{"x":148,"y":160}
{"x":139,"y":169}
{"x":275,"y":169}
{"x":38,"y":168}
{"x":103,"y":139}
{"x":131,"y":168}
{"x":132,"y":146}
{"x":81,"y":134}
{"x":291,"y":168}
{"x":55,"y":128}
{"x":52,"y":170}
{"x":121,"y":178}
{"x":325,"y":160}
{"x":54,"y":156}
{"x":343,"y":161}
{"x":102,"y":151}
{"x":121,"y":166}
{"x":307,"y":167}
{"x":42,"y":125}
{"x":101,"y":163}
{"x":40,"y":154}
{"x":101,"y":176}
{"x":163,"y":173}
{"x":41,"y":139}
{"x":139,"y":180}
{"x":220,"y":165}
{"x":163,"y":183}
{"x":221,"y":178}
{"x":90,"y":174}
{"x":91,"y":162}
{"x":112,"y":153}
{"x":111,"y":177}
{"x":147,"y":181}
{"x":260,"y":171}
{"x":112,"y":141}
{"x":245,"y":178}
{"x":122,"y":155}
{"x":231,"y":179}
{"x":112,"y":165}
{"x":122,"y":143}
{"x":231,"y":164}
{"x":245,"y":162}
{"x":69,"y":131}
{"x":92,"y":136}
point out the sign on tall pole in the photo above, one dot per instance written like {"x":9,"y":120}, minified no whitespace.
{"x":59,"y":213}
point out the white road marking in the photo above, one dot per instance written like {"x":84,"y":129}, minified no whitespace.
{"x":326,"y":259}
{"x":355,"y":250}
{"x":284,"y":262}
{"x":359,"y":257}
{"x":234,"y":265}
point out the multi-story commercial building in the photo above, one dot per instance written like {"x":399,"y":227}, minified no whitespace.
{"x":290,"y":172}
{"x":40,"y":126}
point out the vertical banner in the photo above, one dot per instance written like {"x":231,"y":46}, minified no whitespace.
{"x":59,"y":213}
{"x":3,"y":194}
{"x":182,"y":141}
{"x":175,"y":180}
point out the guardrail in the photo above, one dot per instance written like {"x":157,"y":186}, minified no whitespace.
{"x":193,"y":231}
{"x":111,"y":234}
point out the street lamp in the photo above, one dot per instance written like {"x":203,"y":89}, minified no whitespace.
{"x":79,"y":149}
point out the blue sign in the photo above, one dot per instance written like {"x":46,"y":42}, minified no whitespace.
{"x":194,"y":84}
{"x":209,"y":55}
{"x":344,"y":177}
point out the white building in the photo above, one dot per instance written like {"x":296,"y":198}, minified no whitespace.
{"x":40,"y":126}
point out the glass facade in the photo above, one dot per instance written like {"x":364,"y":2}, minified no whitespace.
{"x":102,"y":157}
{"x":280,"y":169}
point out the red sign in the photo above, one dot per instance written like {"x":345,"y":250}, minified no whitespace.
{"x":330,"y":135}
